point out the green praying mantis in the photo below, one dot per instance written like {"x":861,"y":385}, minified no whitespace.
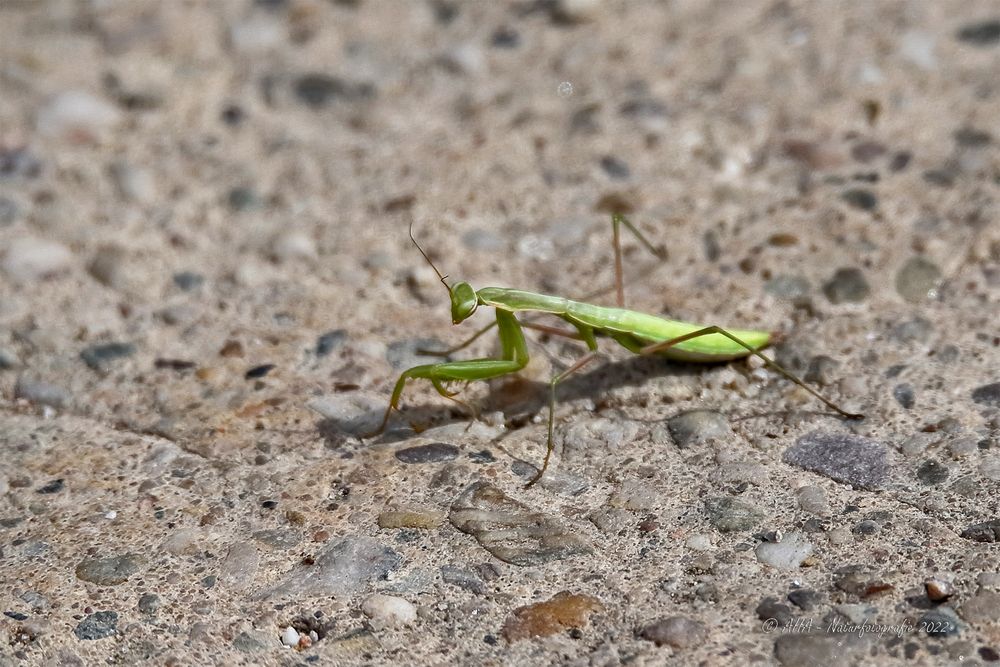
{"x":637,"y":332}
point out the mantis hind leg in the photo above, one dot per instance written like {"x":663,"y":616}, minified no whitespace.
{"x":659,"y":347}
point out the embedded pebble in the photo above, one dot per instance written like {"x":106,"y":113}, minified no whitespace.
{"x":987,"y":531}
{"x":938,"y":590}
{"x":917,"y":444}
{"x":436,"y":452}
{"x":788,"y":554}
{"x":101,"y":357}
{"x":181,"y":542}
{"x":98,"y":625}
{"x":636,"y":495}
{"x":108,"y":266}
{"x":290,"y":636}
{"x":584,"y":436}
{"x":561,"y":612}
{"x":615,"y":167}
{"x":149,"y":603}
{"x":293,"y":246}
{"x":990,"y":468}
{"x":917,"y":329}
{"x":279,"y":538}
{"x":728,"y":514}
{"x":848,"y":285}
{"x":788,"y":287}
{"x":963,"y":446}
{"x":769,"y":609}
{"x":698,"y":426}
{"x":812,"y":499}
{"x":238,"y":568}
{"x":317,"y":91}
{"x":109,"y":571}
{"x":389,"y":611}
{"x":903,"y":393}
{"x":987,"y":394}
{"x":466,"y":579}
{"x":136,"y":184}
{"x":932,"y":472}
{"x":77,"y":116}
{"x":941,"y":622}
{"x":8,"y":359}
{"x":677,"y":631}
{"x":984,"y":607}
{"x":857,"y":614}
{"x":9,"y":211}
{"x":917,"y":280}
{"x":510,"y":530}
{"x":557,"y":481}
{"x":342,"y":567}
{"x":860,"y":198}
{"x":821,"y":648}
{"x":805,"y":599}
{"x":330,"y":341}
{"x":849,"y":459}
{"x":42,"y":393}
{"x":982,"y":34}
{"x":483,"y":240}
{"x":30,"y":259}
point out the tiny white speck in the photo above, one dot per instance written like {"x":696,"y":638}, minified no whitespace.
{"x":565,"y":89}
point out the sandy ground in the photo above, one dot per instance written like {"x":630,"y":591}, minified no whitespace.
{"x":207,"y":292}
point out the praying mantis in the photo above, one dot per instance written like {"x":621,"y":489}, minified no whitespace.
{"x":637,"y":332}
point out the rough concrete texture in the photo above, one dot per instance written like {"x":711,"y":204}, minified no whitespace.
{"x":207,"y":291}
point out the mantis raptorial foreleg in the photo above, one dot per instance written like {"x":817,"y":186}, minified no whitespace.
{"x":659,"y":347}
{"x":514,"y":357}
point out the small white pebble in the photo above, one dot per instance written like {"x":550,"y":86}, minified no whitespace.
{"x":111,"y":516}
{"x":389,"y":610}
{"x":77,"y":116}
{"x":292,"y":246}
{"x":31,"y":259}
{"x":699,"y":542}
{"x":290,"y":637}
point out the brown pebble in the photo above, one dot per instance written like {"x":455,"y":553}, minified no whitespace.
{"x":938,"y":590}
{"x":321,"y":536}
{"x":232,"y":348}
{"x":562,"y":611}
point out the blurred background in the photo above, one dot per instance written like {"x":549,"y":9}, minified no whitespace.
{"x":204,"y":207}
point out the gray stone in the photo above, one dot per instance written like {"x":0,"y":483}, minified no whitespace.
{"x":982,"y":34}
{"x":845,"y":458}
{"x":917,"y":280}
{"x":435,"y":452}
{"x":42,"y":393}
{"x":510,"y":530}
{"x":697,"y":426}
{"x":788,"y":554}
{"x":279,"y":538}
{"x":342,"y":567}
{"x":676,"y":631}
{"x":149,"y":603}
{"x":466,"y":579}
{"x":987,"y":394}
{"x":98,"y":625}
{"x":916,"y":330}
{"x":109,"y":571}
{"x":101,"y":357}
{"x":848,"y":285}
{"x":820,"y":648}
{"x":941,"y":622}
{"x":987,"y":531}
{"x":728,"y":514}
{"x":984,"y":607}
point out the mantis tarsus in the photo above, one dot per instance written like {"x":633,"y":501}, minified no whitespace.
{"x":638,"y":332}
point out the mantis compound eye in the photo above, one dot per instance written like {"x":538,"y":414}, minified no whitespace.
{"x":463,"y":302}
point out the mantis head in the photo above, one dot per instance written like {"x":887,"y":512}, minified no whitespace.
{"x":463,"y":302}
{"x":463,"y":297}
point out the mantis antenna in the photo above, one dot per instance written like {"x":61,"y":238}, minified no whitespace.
{"x":428,"y":259}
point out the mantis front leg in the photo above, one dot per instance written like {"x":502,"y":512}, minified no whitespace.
{"x":514,"y":357}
